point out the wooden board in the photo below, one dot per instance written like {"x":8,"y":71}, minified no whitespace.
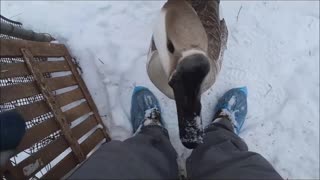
{"x":42,"y":157}
{"x":86,"y":94}
{"x":33,"y":110}
{"x":62,"y":168}
{"x":61,"y":82}
{"x":37,"y":133}
{"x":53,"y":66}
{"x":43,"y":85}
{"x":19,"y":69}
{"x":11,"y":48}
{"x":62,"y":120}
{"x":92,"y":141}
{"x":18,"y":91}
{"x":76,"y":112}
{"x":69,"y":97}
{"x":13,"y":69}
{"x":11,"y":173}
{"x":84,"y":127}
{"x":69,"y":163}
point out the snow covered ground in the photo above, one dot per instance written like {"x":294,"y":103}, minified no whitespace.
{"x":273,"y":49}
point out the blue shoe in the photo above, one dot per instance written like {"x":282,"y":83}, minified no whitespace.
{"x":233,"y":105}
{"x":145,"y":109}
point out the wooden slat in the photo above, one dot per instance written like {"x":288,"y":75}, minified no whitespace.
{"x":11,"y":172}
{"x":86,"y":93}
{"x":92,"y":141}
{"x":13,"y":69}
{"x":11,"y":48}
{"x":69,"y":97}
{"x":20,"y":69}
{"x":62,"y":168}
{"x":61,"y":82}
{"x":37,"y":133}
{"x":84,"y":127}
{"x":53,"y":66}
{"x":69,"y":163}
{"x":18,"y":91}
{"x":33,"y":110}
{"x":42,"y":157}
{"x":76,"y":112}
{"x":53,"y":105}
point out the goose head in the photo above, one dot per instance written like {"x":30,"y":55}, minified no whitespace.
{"x":179,"y":65}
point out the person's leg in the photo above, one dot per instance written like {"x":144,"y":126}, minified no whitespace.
{"x":147,"y":155}
{"x":224,"y":155}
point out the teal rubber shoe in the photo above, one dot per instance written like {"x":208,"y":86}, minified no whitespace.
{"x":233,"y":105}
{"x":145,"y":109}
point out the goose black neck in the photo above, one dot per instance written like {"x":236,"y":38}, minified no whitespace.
{"x":186,"y":84}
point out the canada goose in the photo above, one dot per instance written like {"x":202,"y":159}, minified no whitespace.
{"x":185,"y":57}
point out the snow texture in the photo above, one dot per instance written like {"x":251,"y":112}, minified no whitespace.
{"x":273,"y":49}
{"x":194,"y":131}
{"x":152,"y":117}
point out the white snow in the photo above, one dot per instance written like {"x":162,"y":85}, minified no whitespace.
{"x":273,"y":49}
{"x":152,"y":116}
{"x":197,"y":119}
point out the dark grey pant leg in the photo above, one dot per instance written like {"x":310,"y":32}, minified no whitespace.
{"x":147,"y":155}
{"x":224,"y":155}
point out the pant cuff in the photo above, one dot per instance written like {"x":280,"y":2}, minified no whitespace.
{"x":223,"y":122}
{"x":154,"y":129}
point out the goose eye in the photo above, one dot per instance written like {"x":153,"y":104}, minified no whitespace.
{"x":170,"y":47}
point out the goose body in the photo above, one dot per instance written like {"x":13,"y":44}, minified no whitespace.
{"x":185,"y":58}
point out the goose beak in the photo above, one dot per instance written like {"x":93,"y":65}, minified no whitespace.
{"x":186,"y":83}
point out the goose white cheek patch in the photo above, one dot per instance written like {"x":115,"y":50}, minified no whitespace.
{"x":160,"y":40}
